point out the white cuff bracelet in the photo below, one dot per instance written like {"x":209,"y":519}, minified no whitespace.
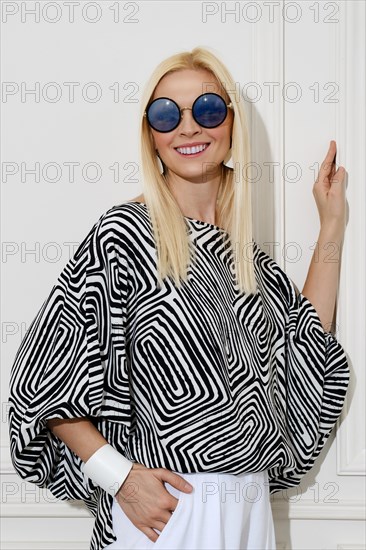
{"x":107,"y":468}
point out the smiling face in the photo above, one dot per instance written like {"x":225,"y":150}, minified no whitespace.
{"x":184,"y":86}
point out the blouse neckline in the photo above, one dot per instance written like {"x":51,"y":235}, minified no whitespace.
{"x":200,"y":222}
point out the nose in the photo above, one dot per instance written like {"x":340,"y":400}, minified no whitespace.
{"x":187,"y":123}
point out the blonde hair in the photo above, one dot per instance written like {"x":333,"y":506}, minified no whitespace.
{"x":234,"y":211}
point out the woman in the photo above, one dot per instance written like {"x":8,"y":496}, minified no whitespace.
{"x":165,"y":354}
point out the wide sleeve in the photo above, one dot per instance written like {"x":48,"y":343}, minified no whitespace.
{"x":72,"y":363}
{"x":310,"y":376}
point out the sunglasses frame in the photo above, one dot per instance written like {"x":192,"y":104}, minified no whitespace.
{"x":181,"y":109}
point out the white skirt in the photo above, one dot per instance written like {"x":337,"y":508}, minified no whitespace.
{"x":224,"y":511}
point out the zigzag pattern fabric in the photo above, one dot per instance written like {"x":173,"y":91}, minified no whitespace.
{"x":198,"y":379}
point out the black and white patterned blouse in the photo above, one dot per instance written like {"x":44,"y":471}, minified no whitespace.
{"x":198,"y":379}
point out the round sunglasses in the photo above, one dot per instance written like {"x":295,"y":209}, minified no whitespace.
{"x":208,"y":110}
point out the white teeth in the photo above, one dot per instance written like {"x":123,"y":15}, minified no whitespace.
{"x":192,"y":150}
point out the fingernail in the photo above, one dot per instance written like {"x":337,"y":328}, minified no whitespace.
{"x":188,"y":486}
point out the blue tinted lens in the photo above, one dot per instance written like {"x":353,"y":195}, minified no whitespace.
{"x":209,"y":110}
{"x":163,"y":115}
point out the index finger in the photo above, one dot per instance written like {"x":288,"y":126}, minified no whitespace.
{"x":176,"y":480}
{"x":329,"y":160}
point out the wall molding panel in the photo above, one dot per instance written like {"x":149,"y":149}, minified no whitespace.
{"x":267,"y":136}
{"x":45,"y":545}
{"x":351,"y":117}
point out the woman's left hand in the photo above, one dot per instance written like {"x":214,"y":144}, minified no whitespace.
{"x":329,"y":191}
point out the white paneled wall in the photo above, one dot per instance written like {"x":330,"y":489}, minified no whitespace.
{"x":313,"y":49}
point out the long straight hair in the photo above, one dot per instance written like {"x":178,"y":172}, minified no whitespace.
{"x":234,"y":208}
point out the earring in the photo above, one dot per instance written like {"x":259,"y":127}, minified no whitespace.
{"x":160,"y":163}
{"x":228,"y":161}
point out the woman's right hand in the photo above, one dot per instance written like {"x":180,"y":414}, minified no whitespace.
{"x":145,"y":500}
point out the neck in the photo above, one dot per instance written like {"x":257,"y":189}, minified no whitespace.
{"x":197,"y":197}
